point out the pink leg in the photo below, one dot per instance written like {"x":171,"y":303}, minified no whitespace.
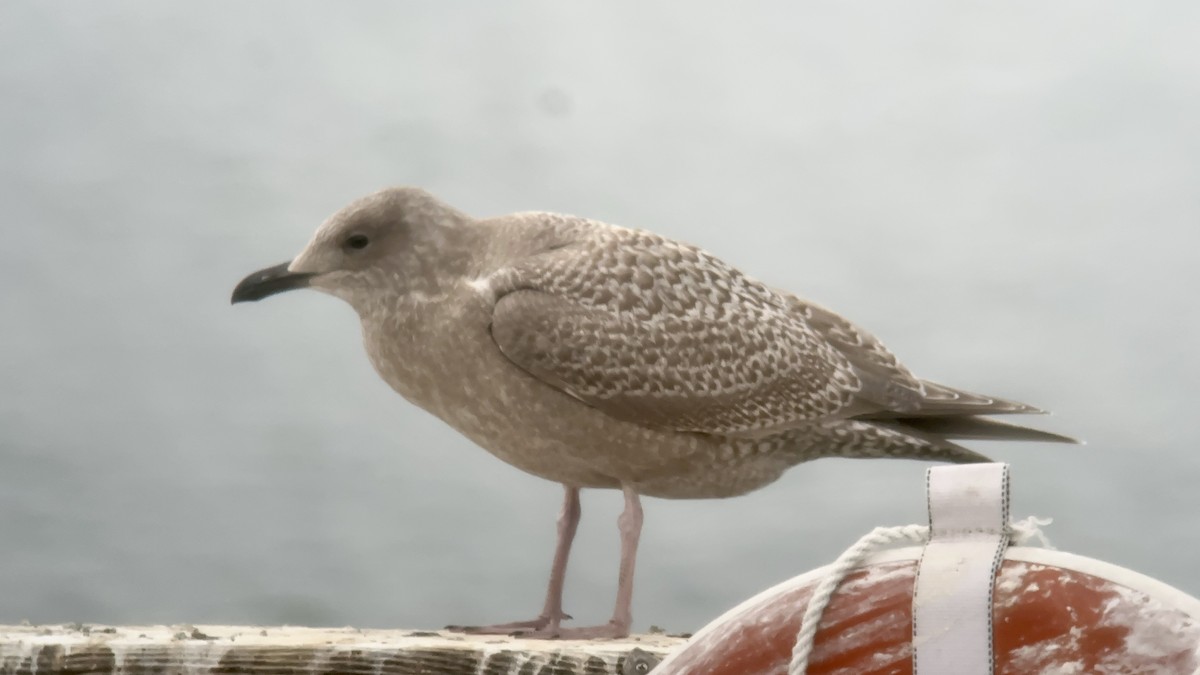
{"x":552,"y":612}
{"x":630,"y":525}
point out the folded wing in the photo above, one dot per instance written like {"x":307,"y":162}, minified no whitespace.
{"x":664,"y":335}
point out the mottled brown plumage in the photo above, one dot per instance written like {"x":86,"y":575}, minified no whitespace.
{"x":599,"y":356}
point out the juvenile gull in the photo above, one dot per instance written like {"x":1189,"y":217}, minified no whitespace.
{"x":597,"y":356}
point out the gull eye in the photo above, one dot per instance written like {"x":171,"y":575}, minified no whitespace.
{"x":357,"y":241}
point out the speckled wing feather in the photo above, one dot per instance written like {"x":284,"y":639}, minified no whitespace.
{"x":663,"y":334}
{"x":886,"y":382}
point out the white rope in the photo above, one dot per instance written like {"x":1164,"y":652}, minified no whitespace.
{"x":851,"y":558}
{"x":1020,"y":532}
{"x":1029,"y":529}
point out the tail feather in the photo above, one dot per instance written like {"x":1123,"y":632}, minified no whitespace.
{"x":913,"y":437}
{"x":941,"y":450}
{"x":968,"y":427}
{"x":855,"y":439}
{"x":940,"y":400}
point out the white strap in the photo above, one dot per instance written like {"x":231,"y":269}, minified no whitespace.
{"x":952,"y":600}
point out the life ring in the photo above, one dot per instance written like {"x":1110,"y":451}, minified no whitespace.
{"x":1053,"y":612}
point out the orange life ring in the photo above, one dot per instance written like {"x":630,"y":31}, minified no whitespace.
{"x":1052,"y":612}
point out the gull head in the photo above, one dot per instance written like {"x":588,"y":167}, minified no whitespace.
{"x":399,"y":241}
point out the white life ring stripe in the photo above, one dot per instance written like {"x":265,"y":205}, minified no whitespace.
{"x":952,"y":600}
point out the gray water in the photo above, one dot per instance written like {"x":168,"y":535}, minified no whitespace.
{"x":1008,"y":196}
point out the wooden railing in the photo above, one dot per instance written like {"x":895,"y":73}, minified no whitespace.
{"x":77,"y":649}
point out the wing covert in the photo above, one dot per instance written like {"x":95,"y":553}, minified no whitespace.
{"x":664,"y":335}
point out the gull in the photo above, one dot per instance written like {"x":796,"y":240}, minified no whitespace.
{"x":598,"y":356}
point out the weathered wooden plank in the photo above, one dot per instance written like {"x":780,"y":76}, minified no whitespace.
{"x":137,"y":650}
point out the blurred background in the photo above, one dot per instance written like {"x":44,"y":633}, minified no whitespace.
{"x":1006,"y":194}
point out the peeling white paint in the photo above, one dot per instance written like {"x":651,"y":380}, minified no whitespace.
{"x":20,"y":644}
